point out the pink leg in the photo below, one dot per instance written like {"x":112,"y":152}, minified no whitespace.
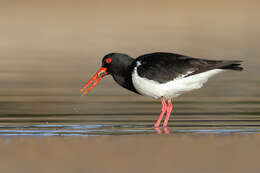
{"x":168,"y":114}
{"x":164,"y":107}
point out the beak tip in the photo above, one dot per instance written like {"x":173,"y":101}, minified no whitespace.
{"x":101,"y":73}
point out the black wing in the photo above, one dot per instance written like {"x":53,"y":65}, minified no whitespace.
{"x":164,"y":67}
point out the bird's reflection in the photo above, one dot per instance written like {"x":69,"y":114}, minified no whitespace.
{"x":164,"y":130}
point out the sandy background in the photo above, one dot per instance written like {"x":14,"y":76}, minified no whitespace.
{"x":90,"y":29}
{"x":49,"y":48}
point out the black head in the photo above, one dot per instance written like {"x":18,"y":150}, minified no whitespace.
{"x":116,"y":64}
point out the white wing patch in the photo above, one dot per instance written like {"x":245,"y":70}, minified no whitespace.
{"x":183,"y":75}
{"x":172,"y":88}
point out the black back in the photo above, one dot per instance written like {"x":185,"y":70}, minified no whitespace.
{"x":164,"y":67}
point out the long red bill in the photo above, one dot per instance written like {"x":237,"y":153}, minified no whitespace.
{"x":101,"y":73}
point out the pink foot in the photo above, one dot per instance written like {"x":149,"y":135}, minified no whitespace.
{"x":158,"y":130}
{"x":165,"y":130}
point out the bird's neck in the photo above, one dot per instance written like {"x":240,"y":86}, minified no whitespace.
{"x":123,"y":74}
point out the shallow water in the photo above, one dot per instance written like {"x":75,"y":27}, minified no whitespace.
{"x":118,"y":115}
{"x":49,"y":51}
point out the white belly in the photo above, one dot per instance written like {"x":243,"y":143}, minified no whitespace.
{"x":172,"y":88}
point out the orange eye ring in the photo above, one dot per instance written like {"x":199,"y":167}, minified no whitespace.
{"x":108,"y":60}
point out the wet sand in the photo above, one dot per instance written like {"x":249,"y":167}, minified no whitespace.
{"x":138,"y":153}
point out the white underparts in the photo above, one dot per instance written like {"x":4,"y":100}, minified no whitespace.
{"x":172,"y":88}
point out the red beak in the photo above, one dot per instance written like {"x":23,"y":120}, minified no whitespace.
{"x":99,"y":75}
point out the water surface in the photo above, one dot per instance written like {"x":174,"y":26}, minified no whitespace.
{"x":48,"y":50}
{"x":116,"y":115}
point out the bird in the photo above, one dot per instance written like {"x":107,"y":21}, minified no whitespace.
{"x":161,"y":75}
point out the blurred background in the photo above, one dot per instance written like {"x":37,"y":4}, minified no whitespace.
{"x":50,"y":48}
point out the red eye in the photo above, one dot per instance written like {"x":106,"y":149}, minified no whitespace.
{"x":108,"y":60}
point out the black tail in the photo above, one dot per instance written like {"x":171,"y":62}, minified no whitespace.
{"x":234,"y":65}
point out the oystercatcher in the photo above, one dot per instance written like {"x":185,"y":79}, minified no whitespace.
{"x":160,"y":75}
